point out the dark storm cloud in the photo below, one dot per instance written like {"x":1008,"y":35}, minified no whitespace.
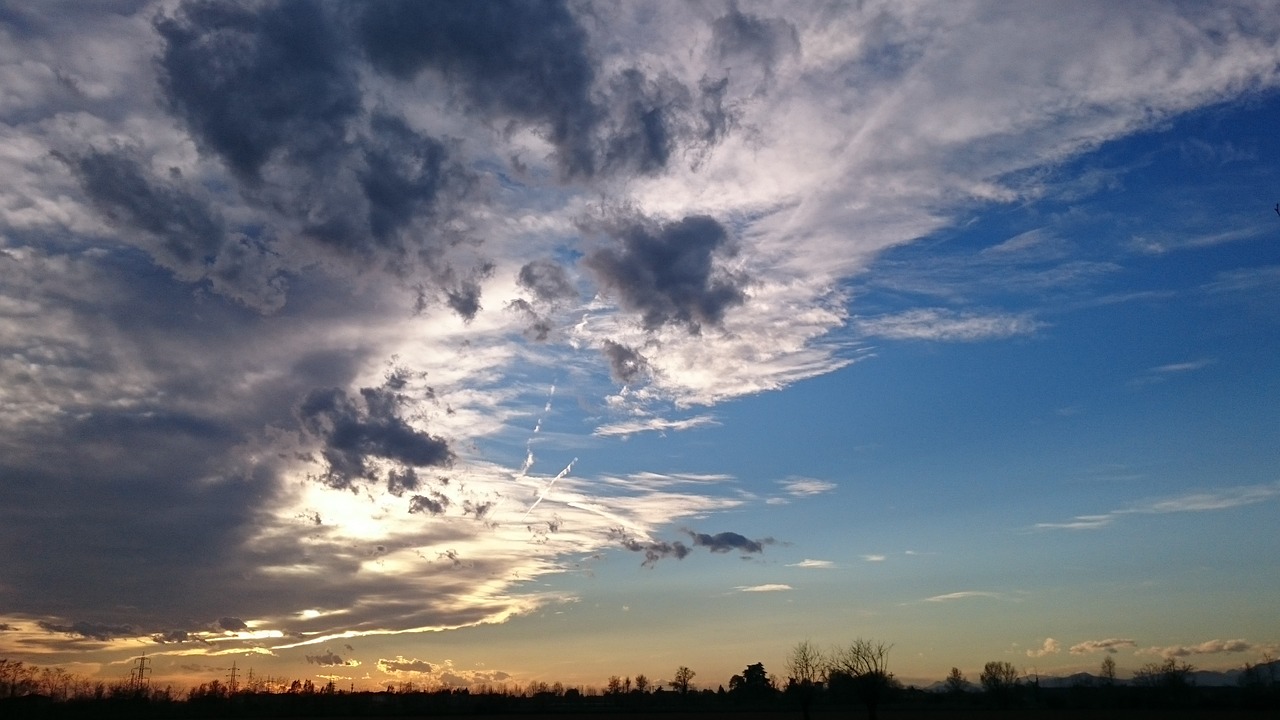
{"x":127,"y":193}
{"x":232,"y":624}
{"x":89,"y":630}
{"x":625,"y":364}
{"x":253,"y":80}
{"x":179,"y":229}
{"x":272,"y":89}
{"x":666,"y":272}
{"x":402,"y":176}
{"x":530,"y":62}
{"x":548,"y":281}
{"x":522,"y":59}
{"x":353,"y":430}
{"x":741,"y":36}
{"x":728,"y":541}
{"x":172,"y":636}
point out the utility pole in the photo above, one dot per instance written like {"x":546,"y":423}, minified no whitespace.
{"x":231,"y":678}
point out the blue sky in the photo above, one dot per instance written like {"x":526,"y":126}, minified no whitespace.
{"x":384,"y":353}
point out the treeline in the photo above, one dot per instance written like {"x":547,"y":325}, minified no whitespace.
{"x":814,"y":681}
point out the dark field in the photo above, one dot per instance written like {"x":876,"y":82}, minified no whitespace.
{"x":888,"y":714}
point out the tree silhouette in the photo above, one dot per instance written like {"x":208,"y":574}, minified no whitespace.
{"x":804,"y":673}
{"x":999,"y":678}
{"x":1108,"y":671}
{"x":642,"y":683}
{"x":955,"y":682}
{"x":863,"y":667}
{"x":1170,"y":675}
{"x":753,"y":684}
{"x":683,"y":680}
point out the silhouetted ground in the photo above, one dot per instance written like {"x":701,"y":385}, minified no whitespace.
{"x":885,"y":714}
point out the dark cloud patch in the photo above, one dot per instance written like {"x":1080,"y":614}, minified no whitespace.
{"x":180,"y":230}
{"x":539,"y":327}
{"x":522,"y":59}
{"x":464,"y":299}
{"x":403,"y":173}
{"x":172,"y":636}
{"x":399,"y":481}
{"x":272,"y":89}
{"x":654,"y":550}
{"x":625,"y":364}
{"x":478,"y":509}
{"x":232,"y":624}
{"x":89,"y":630}
{"x":328,"y":659}
{"x":548,"y":281}
{"x":530,"y":62}
{"x":646,"y":121}
{"x":435,"y":503}
{"x":729,"y":541}
{"x":5,"y":627}
{"x":356,"y":429}
{"x":461,"y":295}
{"x":126,"y":193}
{"x":254,"y":80}
{"x":667,"y":272}
{"x":717,"y":118}
{"x":650,"y":119}
{"x":739,"y":36}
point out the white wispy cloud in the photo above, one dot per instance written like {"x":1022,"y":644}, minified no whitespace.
{"x":1222,"y":499}
{"x":874,"y":558}
{"x":770,"y":587}
{"x":632,"y":427}
{"x":1208,"y":647}
{"x":1182,"y":367}
{"x":805,"y":487}
{"x":946,"y":325}
{"x":1109,"y":645}
{"x":813,"y":564}
{"x":966,"y":595}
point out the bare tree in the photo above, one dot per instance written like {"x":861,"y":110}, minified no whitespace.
{"x":1108,"y":671}
{"x":999,"y":678}
{"x":683,"y":680}
{"x":863,"y":665}
{"x":642,"y":683}
{"x":1170,"y":674}
{"x":805,"y":664}
{"x":955,"y":682}
{"x":805,"y":667}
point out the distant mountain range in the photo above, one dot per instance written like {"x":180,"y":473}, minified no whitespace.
{"x":1199,"y":678}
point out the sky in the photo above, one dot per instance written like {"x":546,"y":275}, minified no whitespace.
{"x":459,"y":343}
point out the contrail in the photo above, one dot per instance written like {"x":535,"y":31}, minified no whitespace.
{"x":537,"y":428}
{"x":547,"y":489}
